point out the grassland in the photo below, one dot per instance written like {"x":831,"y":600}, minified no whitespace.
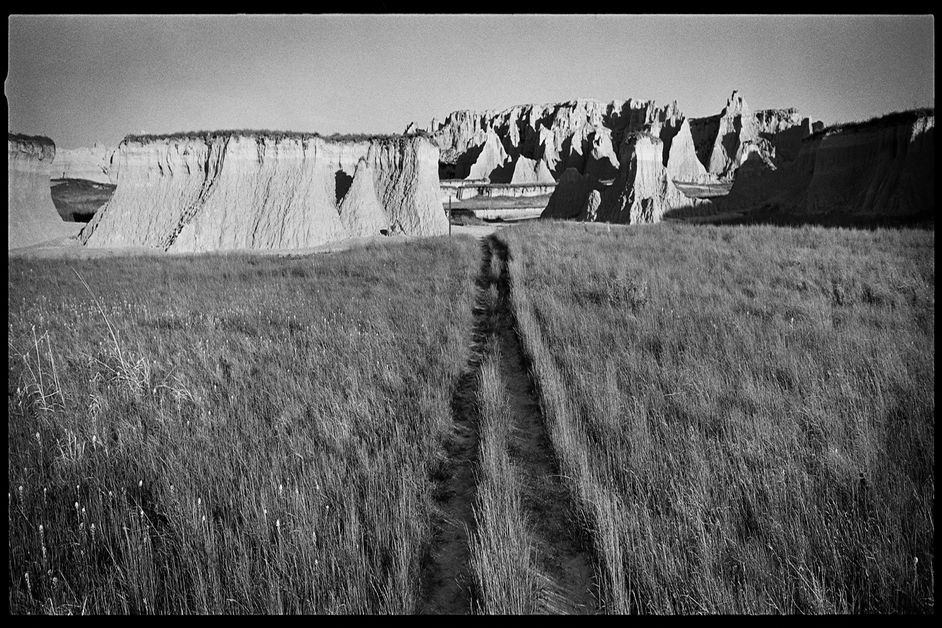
{"x":230,"y":434}
{"x":731,"y":419}
{"x":745,"y":415}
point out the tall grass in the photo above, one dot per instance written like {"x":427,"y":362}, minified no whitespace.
{"x":230,"y":434}
{"x":746,"y":415}
{"x":503,"y":557}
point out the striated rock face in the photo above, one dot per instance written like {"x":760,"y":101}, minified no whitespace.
{"x":231,"y":190}
{"x":492,"y":161}
{"x":531,"y":171}
{"x":723,"y":142}
{"x":643,"y":190}
{"x":577,"y":134}
{"x":601,"y":161}
{"x":682,"y":162}
{"x":31,"y":216}
{"x":88,"y":163}
{"x":883,"y":167}
{"x":361,"y":213}
{"x":735,"y":126}
{"x":772,"y":121}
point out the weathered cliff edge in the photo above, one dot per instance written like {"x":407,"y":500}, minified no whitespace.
{"x":31,"y":215}
{"x":640,"y":194}
{"x":883,"y":167}
{"x":232,"y":190}
{"x":579,"y":134}
{"x":586,"y":134}
{"x":87,"y":163}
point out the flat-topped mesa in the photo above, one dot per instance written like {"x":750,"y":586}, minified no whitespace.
{"x":31,"y":215}
{"x":575,"y":134}
{"x":232,"y":190}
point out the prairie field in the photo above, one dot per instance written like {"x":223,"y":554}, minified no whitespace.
{"x":745,"y":416}
{"x":229,"y":433}
{"x":561,"y":418}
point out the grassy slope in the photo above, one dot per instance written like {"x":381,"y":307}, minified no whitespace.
{"x":258,"y":439}
{"x":746,"y":414}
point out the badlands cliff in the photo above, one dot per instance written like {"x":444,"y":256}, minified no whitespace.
{"x":883,"y":167}
{"x":31,"y":216}
{"x":643,"y":189}
{"x":641,"y":192}
{"x":87,"y":163}
{"x":586,"y":135}
{"x":581,"y":134}
{"x":255,"y":190}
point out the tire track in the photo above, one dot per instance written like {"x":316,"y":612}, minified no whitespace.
{"x":565,"y":569}
{"x":446,"y":574}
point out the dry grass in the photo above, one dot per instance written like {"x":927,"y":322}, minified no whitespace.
{"x":746,"y":415}
{"x":230,"y":434}
{"x":503,"y":560}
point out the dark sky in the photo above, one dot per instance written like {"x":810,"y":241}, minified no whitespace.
{"x":78,"y":79}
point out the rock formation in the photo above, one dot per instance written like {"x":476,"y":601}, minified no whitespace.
{"x":682,"y":163}
{"x":531,"y":171}
{"x":571,"y":196}
{"x":492,"y":161}
{"x":879,"y":168}
{"x":251,"y":190}
{"x":87,"y":163}
{"x":31,"y":216}
{"x":882,"y":167}
{"x":585,"y":134}
{"x":723,"y":142}
{"x":643,"y":190}
{"x":723,"y":136}
{"x":590,"y":213}
{"x":601,"y":161}
{"x":580,"y":133}
{"x":361,"y":213}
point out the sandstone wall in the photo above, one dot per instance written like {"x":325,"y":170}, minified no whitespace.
{"x":682,"y":163}
{"x":575,"y":134}
{"x":723,"y":142}
{"x":884,"y":167}
{"x":531,"y":171}
{"x":643,"y":189}
{"x":231,"y":191}
{"x":88,"y":163}
{"x":31,"y":215}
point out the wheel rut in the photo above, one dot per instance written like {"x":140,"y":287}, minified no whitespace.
{"x":565,"y":569}
{"x":447,"y":575}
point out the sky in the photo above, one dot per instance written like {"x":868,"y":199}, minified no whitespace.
{"x":82,"y":79}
